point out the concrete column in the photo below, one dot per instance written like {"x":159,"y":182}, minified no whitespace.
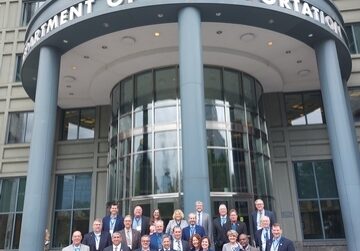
{"x":344,"y":148}
{"x":36,"y":204}
{"x":193,"y":128}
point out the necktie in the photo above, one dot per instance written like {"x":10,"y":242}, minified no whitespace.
{"x":128,"y":237}
{"x":222,"y":221}
{"x":192,"y":230}
{"x":233,"y":226}
{"x":178,"y":245}
{"x":267,"y":234}
{"x":115,"y":249}
{"x":198,"y":219}
{"x":77,"y":248}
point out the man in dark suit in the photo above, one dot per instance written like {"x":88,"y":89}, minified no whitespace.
{"x":278,"y":242}
{"x":234,"y":224}
{"x":140,"y":223}
{"x":145,"y":244}
{"x":260,"y":212}
{"x":97,"y":240}
{"x":130,"y":236}
{"x":192,"y":228}
{"x":203,"y":219}
{"x":116,"y":243}
{"x":113,"y":222}
{"x":178,"y":243}
{"x":263,"y":234}
{"x":219,"y":229}
{"x":166,"y":243}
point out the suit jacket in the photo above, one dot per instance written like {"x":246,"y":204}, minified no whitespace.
{"x":258,"y":241}
{"x":135,"y":238}
{"x":71,"y":248}
{"x":145,"y":225}
{"x":248,"y":248}
{"x":122,"y":248}
{"x":268,"y":213}
{"x":185,"y":245}
{"x":119,"y":223}
{"x":105,"y":240}
{"x":155,"y":241}
{"x":206,"y":223}
{"x":240,"y":227}
{"x":167,"y":249}
{"x":186,"y":232}
{"x":219,"y":232}
{"x":284,"y":245}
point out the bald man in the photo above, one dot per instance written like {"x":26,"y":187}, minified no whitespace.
{"x":76,"y":243}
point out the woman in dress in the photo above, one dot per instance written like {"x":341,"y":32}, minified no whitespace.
{"x":232,"y":245}
{"x":178,"y":220}
{"x":155,"y":217}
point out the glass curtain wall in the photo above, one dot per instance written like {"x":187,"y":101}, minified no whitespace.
{"x":145,"y":136}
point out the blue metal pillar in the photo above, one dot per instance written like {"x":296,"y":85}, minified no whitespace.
{"x":344,"y":148}
{"x":193,"y":128}
{"x":36,"y":205}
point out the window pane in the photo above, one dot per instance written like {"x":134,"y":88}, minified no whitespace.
{"x":17,"y":127}
{"x":354,"y":94}
{"x":29,"y":126}
{"x":216,"y":138}
{"x":70,"y":126}
{"x":165,"y":139}
{"x":166,"y":171}
{"x":356,"y":28}
{"x":144,"y":89}
{"x":311,"y":222}
{"x":18,"y":68}
{"x":305,"y":180}
{"x":214,"y":113}
{"x":212,"y":80}
{"x":333,"y":224}
{"x":115,"y":101}
{"x":238,"y":140}
{"x":237,"y":116}
{"x":6,"y":228}
{"x":125,"y":147}
{"x":239,"y":177}
{"x":350,"y":35}
{"x":61,"y":233}
{"x":8,"y":190}
{"x":17,"y":230}
{"x":166,"y":85}
{"x":82,"y":191}
{"x":125,"y":123}
{"x":65,"y":189}
{"x":249,"y":91}
{"x":126,"y":96}
{"x":232,"y":88}
{"x":81,"y":221}
{"x":218,"y":170}
{"x":142,"y":142}
{"x":313,"y":108}
{"x":87,"y":124}
{"x":21,"y":195}
{"x":165,"y":115}
{"x":142,"y":174}
{"x":143,"y":118}
{"x":325,"y":178}
{"x":294,"y":109}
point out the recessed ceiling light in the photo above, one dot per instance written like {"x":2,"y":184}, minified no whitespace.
{"x":219,"y":32}
{"x":74,"y":67}
{"x":218,"y":14}
{"x":299,"y":61}
{"x":86,"y":57}
{"x":247,"y":37}
{"x":288,"y":52}
{"x":71,"y":94}
{"x":33,"y":78}
{"x":69,"y":78}
{"x":160,"y":15}
{"x":310,"y":35}
{"x":128,"y":40}
{"x":104,"y":47}
{"x":65,"y":41}
{"x":303,"y":73}
{"x":68,"y":86}
{"x":106,"y":25}
{"x":271,"y":21}
{"x":270,"y":43}
{"x":157,"y":34}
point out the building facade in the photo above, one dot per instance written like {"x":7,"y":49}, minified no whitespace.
{"x":161,"y":103}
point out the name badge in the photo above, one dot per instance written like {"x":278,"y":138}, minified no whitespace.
{"x":138,"y":228}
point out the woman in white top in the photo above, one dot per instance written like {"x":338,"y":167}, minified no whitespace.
{"x":178,"y":220}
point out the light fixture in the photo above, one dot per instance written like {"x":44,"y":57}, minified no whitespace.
{"x":106,"y":25}
{"x":65,"y":41}
{"x":247,"y":37}
{"x":68,"y":86}
{"x":86,"y":57}
{"x":219,"y":32}
{"x":69,"y":78}
{"x":310,"y":35}
{"x":218,"y":14}
{"x":157,"y":34}
{"x":271,"y":21}
{"x":104,"y":47}
{"x":303,"y":73}
{"x":299,"y":61}
{"x":33,"y":78}
{"x":128,"y":40}
{"x":74,"y":68}
{"x":288,"y":52}
{"x":160,"y":15}
{"x":71,"y":94}
{"x":270,"y":43}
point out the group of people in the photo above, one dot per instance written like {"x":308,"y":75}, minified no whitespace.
{"x":198,"y":233}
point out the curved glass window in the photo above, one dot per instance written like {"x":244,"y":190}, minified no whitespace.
{"x":145,"y":139}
